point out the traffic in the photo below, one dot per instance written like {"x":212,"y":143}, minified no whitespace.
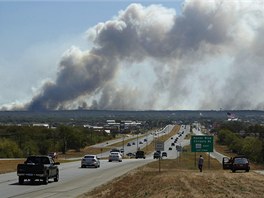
{"x":90,"y":171}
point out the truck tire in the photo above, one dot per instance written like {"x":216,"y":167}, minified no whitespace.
{"x":46,"y":180}
{"x":21,"y":180}
{"x":56,"y":178}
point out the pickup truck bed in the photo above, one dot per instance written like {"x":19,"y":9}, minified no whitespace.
{"x":38,"y":167}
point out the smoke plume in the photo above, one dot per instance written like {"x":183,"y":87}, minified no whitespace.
{"x":208,"y":56}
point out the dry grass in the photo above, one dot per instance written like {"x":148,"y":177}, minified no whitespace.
{"x":182,"y":183}
{"x":7,"y":166}
{"x":181,"y":178}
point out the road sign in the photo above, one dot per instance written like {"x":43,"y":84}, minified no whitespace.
{"x":159,"y":146}
{"x":202,"y":143}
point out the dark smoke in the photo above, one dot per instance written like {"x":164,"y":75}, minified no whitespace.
{"x":210,"y":56}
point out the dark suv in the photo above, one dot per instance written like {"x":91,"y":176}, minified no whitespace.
{"x":140,"y":154}
{"x":156,"y":155}
{"x":236,"y":163}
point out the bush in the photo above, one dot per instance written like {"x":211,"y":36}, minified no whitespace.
{"x":9,"y":149}
{"x":252,"y":147}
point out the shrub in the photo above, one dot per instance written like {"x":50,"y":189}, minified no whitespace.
{"x":9,"y":149}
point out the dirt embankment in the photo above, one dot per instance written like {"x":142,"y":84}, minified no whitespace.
{"x":148,"y":182}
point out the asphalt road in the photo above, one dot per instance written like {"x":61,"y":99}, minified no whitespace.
{"x":138,"y":141}
{"x":75,"y":181}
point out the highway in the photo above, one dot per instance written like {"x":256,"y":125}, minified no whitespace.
{"x":137,"y":140}
{"x":75,"y":181}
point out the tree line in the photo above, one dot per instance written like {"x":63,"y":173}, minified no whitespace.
{"x":243,"y":139}
{"x":21,"y":141}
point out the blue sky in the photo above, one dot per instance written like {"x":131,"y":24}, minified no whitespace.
{"x":35,"y":34}
{"x":25,"y":23}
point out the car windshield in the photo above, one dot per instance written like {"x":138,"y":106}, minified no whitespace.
{"x":240,"y":160}
{"x":38,"y":160}
{"x":89,"y":157}
{"x":115,"y":150}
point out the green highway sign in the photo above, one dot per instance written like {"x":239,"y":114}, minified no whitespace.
{"x":202,"y":143}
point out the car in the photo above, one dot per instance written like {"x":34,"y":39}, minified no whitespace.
{"x":164,"y":154}
{"x":131,"y":155}
{"x":172,"y":144}
{"x":128,"y":144}
{"x":115,"y":150}
{"x":240,"y":163}
{"x":38,"y":167}
{"x":236,"y":163}
{"x":170,"y":148}
{"x":90,"y":161}
{"x":122,"y":151}
{"x":178,"y":148}
{"x":156,"y":155}
{"x":133,"y":143}
{"x":115,"y":156}
{"x":140,"y":154}
{"x":145,"y":140}
{"x":140,"y":142}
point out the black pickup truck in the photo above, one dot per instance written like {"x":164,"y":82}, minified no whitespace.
{"x":38,"y":168}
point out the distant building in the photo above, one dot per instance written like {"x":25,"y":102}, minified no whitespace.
{"x":41,"y":125}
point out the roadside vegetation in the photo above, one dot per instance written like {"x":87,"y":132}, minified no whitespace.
{"x":21,"y":141}
{"x":242,"y":140}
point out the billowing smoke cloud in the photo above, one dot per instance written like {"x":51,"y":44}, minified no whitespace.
{"x":209,"y":56}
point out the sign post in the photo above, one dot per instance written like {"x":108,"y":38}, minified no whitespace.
{"x":202,"y":143}
{"x":159,"y":146}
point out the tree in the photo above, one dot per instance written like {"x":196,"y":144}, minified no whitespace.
{"x":9,"y":149}
{"x":252,"y":147}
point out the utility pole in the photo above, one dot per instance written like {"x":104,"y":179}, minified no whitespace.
{"x":137,"y":141}
{"x":123,"y":144}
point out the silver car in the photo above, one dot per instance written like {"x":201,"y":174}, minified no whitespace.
{"x":115,"y":156}
{"x":90,"y":161}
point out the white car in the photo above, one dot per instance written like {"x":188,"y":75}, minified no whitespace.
{"x":115,"y":156}
{"x":90,"y":160}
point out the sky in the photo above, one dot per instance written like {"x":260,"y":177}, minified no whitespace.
{"x":132,"y":55}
